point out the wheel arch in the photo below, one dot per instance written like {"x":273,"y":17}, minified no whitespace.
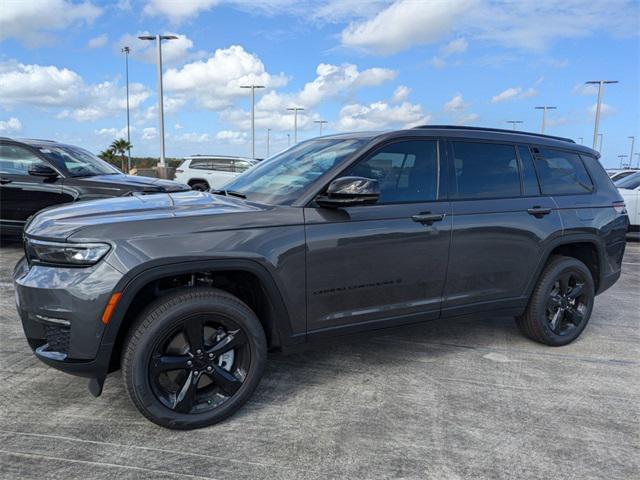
{"x":273,"y":313}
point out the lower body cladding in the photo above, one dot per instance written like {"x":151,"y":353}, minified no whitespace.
{"x":60,"y":309}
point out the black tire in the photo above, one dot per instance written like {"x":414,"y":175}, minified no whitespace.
{"x":200,"y":186}
{"x":561,"y":303}
{"x":168,"y":323}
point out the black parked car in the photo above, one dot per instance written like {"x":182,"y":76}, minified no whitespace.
{"x":344,"y":233}
{"x":35,"y":174}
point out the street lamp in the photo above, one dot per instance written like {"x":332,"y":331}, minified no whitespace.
{"x":295,"y":111}
{"x":126,"y":51}
{"x":581,"y":140}
{"x":320,"y":122}
{"x":544,"y":115}
{"x":633,"y":141}
{"x":514,"y":122}
{"x":638,"y":162}
{"x":268,"y":140}
{"x":601,"y":137}
{"x":158,"y":39}
{"x":622,"y":157}
{"x":253,"y":117}
{"x":601,"y":84}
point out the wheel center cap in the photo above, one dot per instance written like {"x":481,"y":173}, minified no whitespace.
{"x":199,"y":363}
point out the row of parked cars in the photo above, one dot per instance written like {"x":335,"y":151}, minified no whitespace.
{"x":186,"y":291}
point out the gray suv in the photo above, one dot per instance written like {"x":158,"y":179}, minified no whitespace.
{"x":186,"y":292}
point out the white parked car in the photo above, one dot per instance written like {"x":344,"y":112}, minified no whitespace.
{"x":629,"y":188}
{"x":203,"y":172}
{"x":620,"y":174}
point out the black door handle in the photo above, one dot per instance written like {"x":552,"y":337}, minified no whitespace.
{"x":538,"y":212}
{"x":5,"y":180}
{"x":428,"y":218}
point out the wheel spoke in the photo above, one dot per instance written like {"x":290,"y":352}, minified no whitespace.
{"x":194,"y":332}
{"x":186,"y":397}
{"x":576,"y":291}
{"x":574,"y":315}
{"x":165,"y":363}
{"x":554,"y":301}
{"x":564,"y":283}
{"x":556,"y":320}
{"x":225,"y":380}
{"x":233,"y":339}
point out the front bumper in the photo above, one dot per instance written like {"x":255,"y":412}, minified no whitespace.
{"x":60,"y":309}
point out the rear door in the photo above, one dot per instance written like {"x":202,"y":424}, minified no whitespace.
{"x":499,"y":228}
{"x":21,"y":194}
{"x":382,"y":264}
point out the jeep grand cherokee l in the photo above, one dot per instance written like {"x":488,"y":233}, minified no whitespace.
{"x":187,"y":291}
{"x":35,"y":174}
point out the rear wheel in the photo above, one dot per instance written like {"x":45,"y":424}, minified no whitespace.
{"x":561,"y":303}
{"x":193,"y":358}
{"x":200,"y":186}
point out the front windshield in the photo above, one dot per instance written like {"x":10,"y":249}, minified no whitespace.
{"x":281,"y":179}
{"x":630,"y":183}
{"x":77,"y":162}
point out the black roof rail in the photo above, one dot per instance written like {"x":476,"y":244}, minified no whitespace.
{"x":498,"y":130}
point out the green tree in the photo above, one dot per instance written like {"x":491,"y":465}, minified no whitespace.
{"x":109,"y":156}
{"x":120,"y":147}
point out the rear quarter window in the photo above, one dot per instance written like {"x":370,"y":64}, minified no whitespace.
{"x":561,"y":172}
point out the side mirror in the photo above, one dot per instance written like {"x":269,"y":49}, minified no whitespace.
{"x":348,"y":191}
{"x":42,"y":170}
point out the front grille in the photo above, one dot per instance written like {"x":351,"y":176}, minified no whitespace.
{"x":57,"y":338}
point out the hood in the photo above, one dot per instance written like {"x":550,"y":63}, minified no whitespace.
{"x":102,"y":217}
{"x":138,"y":183}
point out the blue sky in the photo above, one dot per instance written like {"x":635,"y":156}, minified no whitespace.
{"x":360,"y":65}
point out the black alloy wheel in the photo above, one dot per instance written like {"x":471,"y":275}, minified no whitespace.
{"x":193,"y":358}
{"x":568,"y":302}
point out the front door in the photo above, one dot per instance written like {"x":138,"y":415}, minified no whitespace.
{"x":21,"y":194}
{"x":382,"y":264}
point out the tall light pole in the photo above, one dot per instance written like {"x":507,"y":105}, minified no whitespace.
{"x":295,"y":111}
{"x":268,"y":140}
{"x":253,"y":116}
{"x":581,"y":140}
{"x":514,"y":122}
{"x":638,"y":162}
{"x":544,"y":115}
{"x":126,"y":51}
{"x":633,"y":141}
{"x":622,"y":157}
{"x":601,"y":137}
{"x":158,"y":38}
{"x":320,"y":122}
{"x":601,"y":84}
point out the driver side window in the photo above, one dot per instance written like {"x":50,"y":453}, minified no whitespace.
{"x":16,"y":160}
{"x":406,"y":171}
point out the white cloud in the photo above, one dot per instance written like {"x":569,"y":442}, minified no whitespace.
{"x":231,"y":137}
{"x":403,"y":24}
{"x":178,"y":10}
{"x":585,"y":89}
{"x":513,"y":93}
{"x":13,"y":125}
{"x":467,"y":118}
{"x":98,"y":42}
{"x":380,"y":115}
{"x":104,"y":100}
{"x":113,"y":132}
{"x":173,"y":51}
{"x":605,"y":110}
{"x":149,"y":133}
{"x":400,"y":94}
{"x":456,"y":104}
{"x":457,"y":46}
{"x":215,"y":82}
{"x":438,"y":62}
{"x":32,"y":21}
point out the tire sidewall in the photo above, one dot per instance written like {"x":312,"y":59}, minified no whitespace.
{"x":168,"y":320}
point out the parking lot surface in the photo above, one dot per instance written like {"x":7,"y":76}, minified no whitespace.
{"x":465,"y":398}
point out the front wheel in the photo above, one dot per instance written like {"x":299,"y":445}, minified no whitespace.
{"x":561,"y":303}
{"x":193,"y":358}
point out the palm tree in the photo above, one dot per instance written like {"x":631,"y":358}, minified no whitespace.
{"x":109,"y":156}
{"x":120,"y":147}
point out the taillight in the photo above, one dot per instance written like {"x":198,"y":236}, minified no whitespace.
{"x":619,"y":207}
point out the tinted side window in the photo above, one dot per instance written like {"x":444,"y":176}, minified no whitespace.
{"x":240,"y":165}
{"x":200,"y":164}
{"x":484,"y":170}
{"x":16,"y":160}
{"x":529,"y":178}
{"x":406,"y":171}
{"x":222,"y":164}
{"x":561,"y":173}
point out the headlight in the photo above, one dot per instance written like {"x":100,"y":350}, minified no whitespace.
{"x":70,"y":254}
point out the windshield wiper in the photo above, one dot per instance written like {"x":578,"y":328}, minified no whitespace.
{"x":229,"y":193}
